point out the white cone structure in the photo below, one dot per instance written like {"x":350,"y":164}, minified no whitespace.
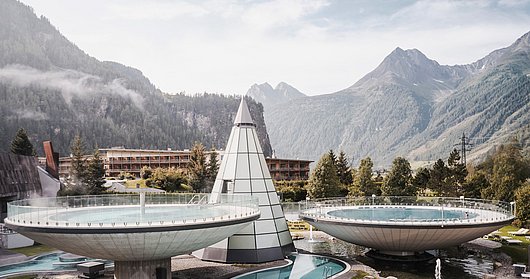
{"x":244,"y":170}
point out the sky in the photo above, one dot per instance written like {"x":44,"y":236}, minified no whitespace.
{"x":317,"y":46}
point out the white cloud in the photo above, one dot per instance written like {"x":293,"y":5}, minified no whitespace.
{"x":317,"y":46}
{"x":70,"y":83}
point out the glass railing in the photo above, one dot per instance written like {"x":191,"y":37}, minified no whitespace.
{"x":470,"y":210}
{"x":122,"y":210}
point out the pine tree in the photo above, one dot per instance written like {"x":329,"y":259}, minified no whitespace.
{"x":213,"y":164}
{"x":456,"y":175}
{"x":332,"y":157}
{"x":437,"y":178}
{"x":398,"y":181}
{"x":421,"y":179}
{"x":522,"y":201}
{"x":94,"y":176}
{"x":324,"y":181}
{"x":363,"y":179}
{"x":77,"y":149}
{"x":197,"y":168}
{"x":344,"y":170}
{"x":21,"y":144}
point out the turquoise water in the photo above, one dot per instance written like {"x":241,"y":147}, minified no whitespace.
{"x":105,"y":214}
{"x":304,"y":266}
{"x":400,"y":213}
{"x":40,"y":263}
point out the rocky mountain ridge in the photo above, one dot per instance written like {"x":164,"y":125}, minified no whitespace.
{"x":412,"y":106}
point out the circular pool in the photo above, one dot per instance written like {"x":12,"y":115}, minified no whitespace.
{"x":407,"y":225}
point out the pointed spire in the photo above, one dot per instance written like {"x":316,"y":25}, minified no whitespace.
{"x":243,"y":114}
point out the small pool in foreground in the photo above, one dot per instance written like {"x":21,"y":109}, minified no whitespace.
{"x":45,"y":263}
{"x":303,"y":266}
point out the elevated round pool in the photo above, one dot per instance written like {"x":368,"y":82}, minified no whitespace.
{"x":406,"y":226}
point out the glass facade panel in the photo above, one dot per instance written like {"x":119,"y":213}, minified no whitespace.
{"x":265,"y":226}
{"x":267,"y":241}
{"x":264,"y":167}
{"x":263,"y":198}
{"x":285,"y":238}
{"x":243,"y":141}
{"x":256,"y":141}
{"x":242,"y":166}
{"x":255,"y":167}
{"x":242,"y":186}
{"x":273,"y":198}
{"x":230,"y":170}
{"x":258,"y":186}
{"x":277,"y":210}
{"x":241,"y":242}
{"x":233,"y":145}
{"x":266,"y":212}
{"x":281,"y":224}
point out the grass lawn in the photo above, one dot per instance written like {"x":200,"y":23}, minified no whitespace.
{"x":132,"y":183}
{"x":34,"y":250}
{"x":518,"y":252}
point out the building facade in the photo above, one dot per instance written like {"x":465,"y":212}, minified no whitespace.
{"x":118,"y":160}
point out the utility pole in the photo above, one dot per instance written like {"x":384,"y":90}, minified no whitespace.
{"x":464,"y":147}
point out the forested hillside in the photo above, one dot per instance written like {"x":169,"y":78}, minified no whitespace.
{"x":54,"y":90}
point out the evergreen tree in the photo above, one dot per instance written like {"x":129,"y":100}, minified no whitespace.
{"x":456,"y":175}
{"x":398,"y":181}
{"x":21,"y":144}
{"x":94,"y":176}
{"x":421,"y":179}
{"x":212,"y":167}
{"x":344,"y":170}
{"x":213,"y":164}
{"x":197,"y":168}
{"x":437,"y":178}
{"x":75,"y":182}
{"x":332,"y":157}
{"x":324,"y":181}
{"x":363,"y":180}
{"x":474,"y":184}
{"x":78,"y":169}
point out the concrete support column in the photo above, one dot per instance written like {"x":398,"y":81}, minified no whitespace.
{"x":154,"y":269}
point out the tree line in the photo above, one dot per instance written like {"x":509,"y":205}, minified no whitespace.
{"x":503,"y":176}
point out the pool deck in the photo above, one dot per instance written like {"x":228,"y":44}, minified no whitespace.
{"x":10,"y":257}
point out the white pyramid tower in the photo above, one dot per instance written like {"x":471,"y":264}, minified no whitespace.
{"x":243,"y":170}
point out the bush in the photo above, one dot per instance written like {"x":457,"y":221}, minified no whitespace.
{"x":292,"y":191}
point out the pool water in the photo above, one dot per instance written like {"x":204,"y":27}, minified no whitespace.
{"x":400,"y":213}
{"x":133,"y":214}
{"x":303,"y":266}
{"x":456,"y":262}
{"x":40,"y":263}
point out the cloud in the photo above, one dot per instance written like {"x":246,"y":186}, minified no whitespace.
{"x":29,"y":114}
{"x":69,"y":82}
{"x":155,"y":10}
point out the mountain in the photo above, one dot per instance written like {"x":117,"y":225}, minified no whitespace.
{"x":54,"y":90}
{"x":412,"y":106}
{"x":268,"y":96}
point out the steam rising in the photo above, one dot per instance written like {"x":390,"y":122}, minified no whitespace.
{"x":69,"y":82}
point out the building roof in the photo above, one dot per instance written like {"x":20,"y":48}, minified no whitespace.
{"x":243,"y":114}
